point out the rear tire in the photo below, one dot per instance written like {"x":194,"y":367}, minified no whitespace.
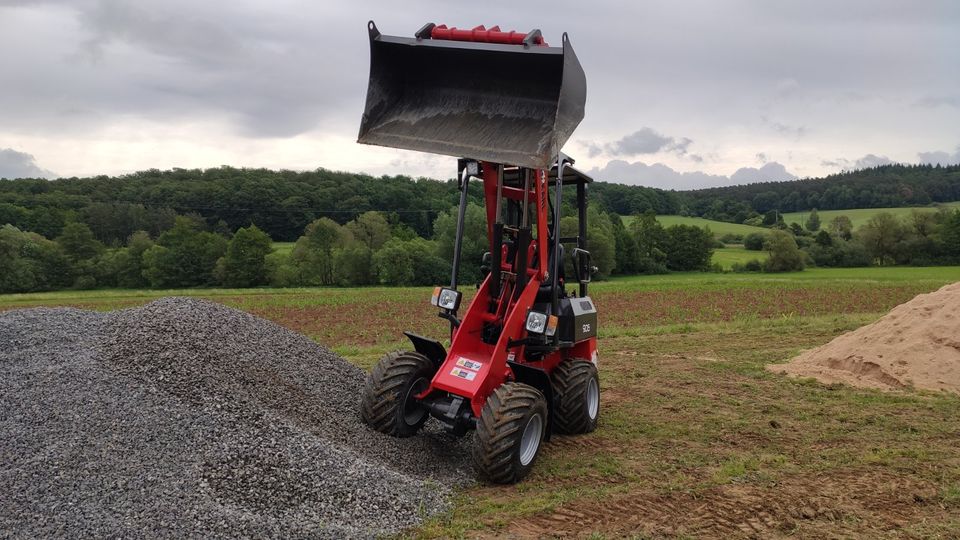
{"x":577,"y":388}
{"x":510,"y":432}
{"x":388,"y":405}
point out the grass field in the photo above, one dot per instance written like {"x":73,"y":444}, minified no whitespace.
{"x":726,"y":257}
{"x":696,"y":439}
{"x":858,"y":216}
{"x":283,"y":247}
{"x":719,"y":228}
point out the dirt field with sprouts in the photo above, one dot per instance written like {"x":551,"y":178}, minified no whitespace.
{"x":697,"y":438}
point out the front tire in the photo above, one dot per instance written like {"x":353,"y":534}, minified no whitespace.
{"x":510,"y":432}
{"x":577,"y":387}
{"x":388,"y":405}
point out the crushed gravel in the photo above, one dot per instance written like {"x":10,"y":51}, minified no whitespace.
{"x":184,"y":417}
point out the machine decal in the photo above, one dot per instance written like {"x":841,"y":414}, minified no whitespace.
{"x":463,"y":373}
{"x":469,"y":364}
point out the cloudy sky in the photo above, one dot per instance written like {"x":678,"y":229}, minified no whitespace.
{"x":680,"y":94}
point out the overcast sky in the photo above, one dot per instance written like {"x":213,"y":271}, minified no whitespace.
{"x":680,"y":94}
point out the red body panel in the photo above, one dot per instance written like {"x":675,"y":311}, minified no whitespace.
{"x":488,"y":367}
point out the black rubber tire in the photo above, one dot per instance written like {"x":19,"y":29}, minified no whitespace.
{"x":497,"y":441}
{"x":571,"y":381}
{"x":384,"y":404}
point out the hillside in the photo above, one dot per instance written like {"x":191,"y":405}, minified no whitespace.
{"x":728,"y":256}
{"x":887,"y":186}
{"x":859,"y":216}
{"x":718,"y":228}
{"x":283,"y":202}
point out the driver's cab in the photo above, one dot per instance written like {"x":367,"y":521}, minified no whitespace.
{"x":513,"y":177}
{"x":517,"y":232}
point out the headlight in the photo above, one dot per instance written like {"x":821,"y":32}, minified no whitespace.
{"x":536,"y":322}
{"x":540,"y":323}
{"x":445,"y":298}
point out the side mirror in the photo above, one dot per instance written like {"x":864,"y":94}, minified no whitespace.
{"x":582,"y":266}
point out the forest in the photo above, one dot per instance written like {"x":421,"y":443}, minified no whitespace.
{"x":216,"y":227}
{"x":886,"y":186}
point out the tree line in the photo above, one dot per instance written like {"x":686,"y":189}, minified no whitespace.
{"x":886,"y":186}
{"x":920,"y":238}
{"x":215,"y":227}
{"x":282,"y":203}
{"x":367,"y":250}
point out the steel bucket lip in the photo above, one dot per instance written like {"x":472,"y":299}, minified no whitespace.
{"x":565,"y":113}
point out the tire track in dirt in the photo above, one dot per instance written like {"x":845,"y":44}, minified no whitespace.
{"x":850,"y":502}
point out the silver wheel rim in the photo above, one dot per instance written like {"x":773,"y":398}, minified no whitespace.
{"x":593,"y":398}
{"x":412,"y":411}
{"x":530,"y":440}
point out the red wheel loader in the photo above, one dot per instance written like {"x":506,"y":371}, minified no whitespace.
{"x":522,"y":362}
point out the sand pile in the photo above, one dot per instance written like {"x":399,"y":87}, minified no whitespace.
{"x":916,"y":345}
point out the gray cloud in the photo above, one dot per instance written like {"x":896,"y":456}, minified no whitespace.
{"x":940,"y":157}
{"x":769,"y":172}
{"x":647,"y":141}
{"x":282,"y":69}
{"x":871,"y":160}
{"x":15,"y":164}
{"x":939,"y":101}
{"x":865,"y":162}
{"x":784,"y":129}
{"x":661,"y":176}
{"x":593,"y":149}
{"x":269,"y":74}
{"x":839,"y":162}
{"x":643,"y":141}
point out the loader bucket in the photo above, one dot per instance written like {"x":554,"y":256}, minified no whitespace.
{"x":503,"y":103}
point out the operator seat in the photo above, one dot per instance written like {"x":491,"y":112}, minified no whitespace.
{"x":544,"y":294}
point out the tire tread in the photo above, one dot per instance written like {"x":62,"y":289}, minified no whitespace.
{"x":570,"y":379}
{"x":499,"y":422}
{"x":381,"y":392}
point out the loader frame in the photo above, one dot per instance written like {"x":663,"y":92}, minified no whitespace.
{"x":523,"y":356}
{"x":490,"y":344}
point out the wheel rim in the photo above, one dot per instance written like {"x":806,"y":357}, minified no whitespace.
{"x":593,"y":398}
{"x":413,"y":412}
{"x":530,"y":440}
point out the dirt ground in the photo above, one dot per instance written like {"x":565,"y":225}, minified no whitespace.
{"x":697,"y":440}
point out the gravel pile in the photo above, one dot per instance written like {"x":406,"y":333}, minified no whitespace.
{"x":187,"y":418}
